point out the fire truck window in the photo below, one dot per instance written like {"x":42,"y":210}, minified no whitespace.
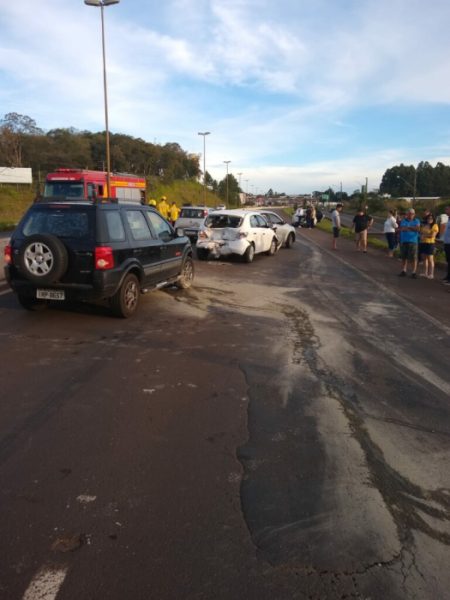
{"x":100,"y":191}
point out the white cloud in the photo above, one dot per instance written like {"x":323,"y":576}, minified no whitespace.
{"x":275,"y":83}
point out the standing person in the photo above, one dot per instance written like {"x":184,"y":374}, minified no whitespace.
{"x":163,"y":207}
{"x":442,"y":221}
{"x":409,"y":242}
{"x":313,"y":217}
{"x":428,"y":233}
{"x":446,"y":238}
{"x":389,"y":229}
{"x":298,"y":216}
{"x":173,"y":213}
{"x":400,"y":216}
{"x":361,"y":223}
{"x":308,"y":216}
{"x":336,"y":221}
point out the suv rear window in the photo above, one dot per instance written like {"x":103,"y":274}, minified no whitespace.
{"x":193,"y":213}
{"x":219,"y":221}
{"x":62,"y":222}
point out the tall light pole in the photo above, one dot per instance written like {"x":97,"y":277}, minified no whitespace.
{"x":204,"y":134}
{"x":101,"y":4}
{"x":227,"y":162}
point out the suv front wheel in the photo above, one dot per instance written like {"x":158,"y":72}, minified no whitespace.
{"x":125,"y":301}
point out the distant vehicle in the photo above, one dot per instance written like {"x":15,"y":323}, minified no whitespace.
{"x":190,"y":219}
{"x":221,"y":207}
{"x":240,"y":232}
{"x":89,"y":251}
{"x":285,"y":232}
{"x":82,"y":184}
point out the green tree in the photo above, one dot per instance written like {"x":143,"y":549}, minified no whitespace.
{"x":233,"y":190}
{"x":13,"y":128}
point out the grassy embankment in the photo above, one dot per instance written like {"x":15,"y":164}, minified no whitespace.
{"x":15,"y":200}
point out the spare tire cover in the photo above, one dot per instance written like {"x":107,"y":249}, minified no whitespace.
{"x":43,"y":258}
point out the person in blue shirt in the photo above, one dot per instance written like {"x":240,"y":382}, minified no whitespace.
{"x":409,"y":242}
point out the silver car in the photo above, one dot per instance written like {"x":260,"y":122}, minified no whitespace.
{"x":190,"y":219}
{"x":285,"y":231}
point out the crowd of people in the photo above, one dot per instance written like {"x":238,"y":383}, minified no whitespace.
{"x":416,"y":238}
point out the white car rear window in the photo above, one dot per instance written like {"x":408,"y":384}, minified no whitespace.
{"x":220,"y":221}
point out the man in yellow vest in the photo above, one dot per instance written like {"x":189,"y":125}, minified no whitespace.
{"x":173,"y":213}
{"x":163,"y":207}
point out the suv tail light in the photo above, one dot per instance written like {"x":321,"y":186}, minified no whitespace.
{"x":7,"y":253}
{"x":104,"y":258}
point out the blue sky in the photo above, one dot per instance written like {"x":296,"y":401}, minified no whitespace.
{"x":299,"y":95}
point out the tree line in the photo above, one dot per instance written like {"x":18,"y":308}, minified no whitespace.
{"x":423,"y":180}
{"x":24,"y":144}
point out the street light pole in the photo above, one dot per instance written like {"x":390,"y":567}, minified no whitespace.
{"x":414,"y":187}
{"x":227,"y":162}
{"x":204,"y":134}
{"x":101,"y":4}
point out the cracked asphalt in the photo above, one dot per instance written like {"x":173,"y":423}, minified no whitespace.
{"x":279,"y":431}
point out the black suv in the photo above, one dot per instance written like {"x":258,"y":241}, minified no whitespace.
{"x":66,"y":250}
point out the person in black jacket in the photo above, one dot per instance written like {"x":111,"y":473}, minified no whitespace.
{"x":361,"y":223}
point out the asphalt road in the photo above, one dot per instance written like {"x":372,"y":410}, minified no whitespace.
{"x":279,"y":431}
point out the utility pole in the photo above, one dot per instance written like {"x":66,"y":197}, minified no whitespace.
{"x":227,"y":162}
{"x":204,"y":134}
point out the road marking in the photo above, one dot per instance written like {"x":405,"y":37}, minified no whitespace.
{"x":46,"y":584}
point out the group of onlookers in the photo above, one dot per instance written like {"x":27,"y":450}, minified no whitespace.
{"x":307,"y":216}
{"x":416,"y":238}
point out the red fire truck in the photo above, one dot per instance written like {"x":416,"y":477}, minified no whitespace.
{"x":81,"y":184}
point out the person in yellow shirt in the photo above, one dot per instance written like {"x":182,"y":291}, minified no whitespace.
{"x":163,"y":207}
{"x":428,"y":232}
{"x":173,"y":213}
{"x":152,"y":202}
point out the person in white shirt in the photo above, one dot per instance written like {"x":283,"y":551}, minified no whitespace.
{"x":336,"y":221}
{"x":390,"y":225}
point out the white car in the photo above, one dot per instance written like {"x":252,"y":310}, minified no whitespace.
{"x":241,"y":232}
{"x":285,"y":231}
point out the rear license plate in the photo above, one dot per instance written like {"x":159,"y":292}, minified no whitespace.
{"x":50,"y":295}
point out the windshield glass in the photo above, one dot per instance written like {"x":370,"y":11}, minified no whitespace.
{"x":62,"y":222}
{"x":66,"y":189}
{"x":219,"y":221}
